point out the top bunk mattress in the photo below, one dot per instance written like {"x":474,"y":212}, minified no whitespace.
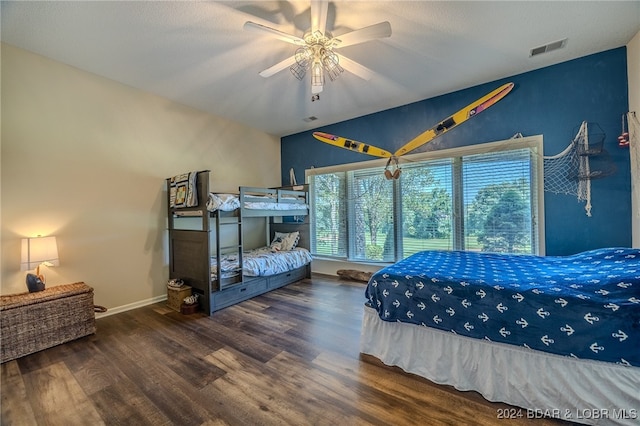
{"x":188,"y":191}
{"x":231,"y":202}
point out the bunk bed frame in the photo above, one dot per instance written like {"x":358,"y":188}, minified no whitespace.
{"x":190,"y":250}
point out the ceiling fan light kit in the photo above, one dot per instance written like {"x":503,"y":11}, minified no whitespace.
{"x":315,"y":50}
{"x":318,"y":56}
{"x":299,"y":69}
{"x":332,"y":66}
{"x":317,"y":78}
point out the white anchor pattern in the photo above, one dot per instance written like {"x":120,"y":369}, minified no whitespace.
{"x":585,"y":306}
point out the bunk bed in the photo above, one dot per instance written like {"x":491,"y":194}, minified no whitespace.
{"x":557,"y":336}
{"x":206,"y":239}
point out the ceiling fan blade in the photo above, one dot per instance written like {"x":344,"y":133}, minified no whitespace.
{"x":252,"y":26}
{"x":278,"y":67}
{"x":355,"y":68}
{"x":380,"y":30}
{"x":319,"y":15}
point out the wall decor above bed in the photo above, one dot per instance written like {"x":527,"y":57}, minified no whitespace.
{"x":206,"y":242}
{"x":392,"y":171}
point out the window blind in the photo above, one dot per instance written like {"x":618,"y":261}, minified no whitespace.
{"x":427,"y":206}
{"x":329,"y":209}
{"x":484,"y":198}
{"x":498,"y":210}
{"x":371,"y":217}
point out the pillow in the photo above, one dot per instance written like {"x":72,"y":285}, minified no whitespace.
{"x":285,"y":241}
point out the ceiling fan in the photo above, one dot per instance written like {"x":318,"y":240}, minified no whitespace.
{"x":317,"y":49}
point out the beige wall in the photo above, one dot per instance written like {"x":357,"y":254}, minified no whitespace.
{"x":633,"y":76}
{"x":85,"y":158}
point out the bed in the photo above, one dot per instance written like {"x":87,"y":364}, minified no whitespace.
{"x":209,"y":253}
{"x":557,"y":336}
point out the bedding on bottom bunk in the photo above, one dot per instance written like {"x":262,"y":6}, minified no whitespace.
{"x":584,"y":306}
{"x":262,"y":262}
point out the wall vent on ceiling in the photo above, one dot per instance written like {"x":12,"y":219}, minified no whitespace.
{"x":548,"y":47}
{"x":309,"y":119}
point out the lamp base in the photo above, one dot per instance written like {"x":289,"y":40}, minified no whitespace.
{"x":39,"y":275}
{"x":34,"y":283}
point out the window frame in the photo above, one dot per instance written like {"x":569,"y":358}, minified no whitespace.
{"x":534,"y":143}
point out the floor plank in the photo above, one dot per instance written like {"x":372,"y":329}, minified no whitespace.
{"x":288,"y":357}
{"x":15,"y":400}
{"x":52,"y":390}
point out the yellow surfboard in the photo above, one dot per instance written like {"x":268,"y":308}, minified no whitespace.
{"x":351,"y":145}
{"x":457,"y":118}
{"x":427,"y":136}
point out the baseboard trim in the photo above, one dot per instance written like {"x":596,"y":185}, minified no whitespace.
{"x":130,"y":306}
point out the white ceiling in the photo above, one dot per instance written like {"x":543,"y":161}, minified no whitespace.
{"x":197,"y":53}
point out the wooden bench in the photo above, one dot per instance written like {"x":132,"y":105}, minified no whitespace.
{"x":31,"y":322}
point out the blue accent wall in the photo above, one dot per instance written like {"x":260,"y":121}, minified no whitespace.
{"x":551,"y":101}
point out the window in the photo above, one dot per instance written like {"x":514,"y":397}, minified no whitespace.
{"x":329,"y":224}
{"x":484,"y":198}
{"x":370,"y":214}
{"x":427,"y":206}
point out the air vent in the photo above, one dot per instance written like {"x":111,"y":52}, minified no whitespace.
{"x":309,"y":119}
{"x":548,"y":47}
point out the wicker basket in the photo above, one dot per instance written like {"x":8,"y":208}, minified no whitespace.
{"x":176,"y":296}
{"x":189,"y":309}
{"x":31,"y":322}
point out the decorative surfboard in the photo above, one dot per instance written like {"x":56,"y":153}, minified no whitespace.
{"x":456,"y":119}
{"x":427,"y":136}
{"x":351,"y":145}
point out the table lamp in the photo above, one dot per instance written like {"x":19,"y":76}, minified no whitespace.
{"x":39,"y":251}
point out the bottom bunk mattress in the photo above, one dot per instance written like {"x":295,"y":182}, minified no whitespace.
{"x":262,"y":262}
{"x":582,"y":306}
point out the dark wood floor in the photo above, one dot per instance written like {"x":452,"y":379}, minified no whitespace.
{"x":287,"y":357}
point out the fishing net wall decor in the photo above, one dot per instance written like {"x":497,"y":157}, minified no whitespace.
{"x":571,"y":171}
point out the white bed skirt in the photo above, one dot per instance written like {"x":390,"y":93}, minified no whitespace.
{"x":582,"y":391}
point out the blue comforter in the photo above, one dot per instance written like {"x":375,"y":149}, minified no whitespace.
{"x":585,"y":306}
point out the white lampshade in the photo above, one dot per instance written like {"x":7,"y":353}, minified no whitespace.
{"x":37,"y":251}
